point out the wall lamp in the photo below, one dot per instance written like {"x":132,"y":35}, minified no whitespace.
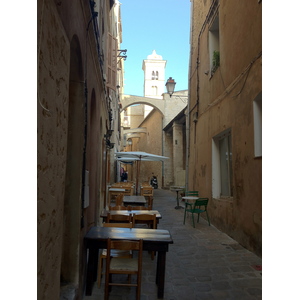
{"x":108,"y":133}
{"x":107,"y":136}
{"x":170,"y":84}
{"x":109,"y":145}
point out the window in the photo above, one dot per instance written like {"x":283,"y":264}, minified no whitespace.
{"x":154,"y":75}
{"x":222,"y":165}
{"x":154,"y":90}
{"x":214,"y":50}
{"x":257,"y":120}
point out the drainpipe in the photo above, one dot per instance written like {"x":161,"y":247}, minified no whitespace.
{"x":163,"y":150}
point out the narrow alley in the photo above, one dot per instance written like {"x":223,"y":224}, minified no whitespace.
{"x":203,"y":263}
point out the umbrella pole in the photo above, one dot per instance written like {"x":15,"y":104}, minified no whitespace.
{"x":136,"y":179}
{"x":138,"y":165}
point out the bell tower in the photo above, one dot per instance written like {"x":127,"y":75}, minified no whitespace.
{"x":154,"y":75}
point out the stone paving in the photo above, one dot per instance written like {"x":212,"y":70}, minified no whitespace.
{"x":203,"y":263}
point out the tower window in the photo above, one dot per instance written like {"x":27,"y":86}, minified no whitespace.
{"x":154,"y":75}
{"x":154,"y":90}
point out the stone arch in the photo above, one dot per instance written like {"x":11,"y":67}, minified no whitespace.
{"x":74,"y":163}
{"x":128,"y":100}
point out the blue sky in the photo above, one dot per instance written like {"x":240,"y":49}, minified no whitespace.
{"x":161,"y":25}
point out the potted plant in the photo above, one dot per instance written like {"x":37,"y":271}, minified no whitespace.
{"x":215,"y":61}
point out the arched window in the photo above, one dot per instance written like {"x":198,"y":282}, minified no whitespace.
{"x":153,"y":75}
{"x":156,"y":77}
{"x":154,"y":90}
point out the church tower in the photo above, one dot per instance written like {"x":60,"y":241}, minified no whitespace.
{"x":154,"y":75}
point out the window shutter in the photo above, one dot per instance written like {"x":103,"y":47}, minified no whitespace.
{"x":111,"y":62}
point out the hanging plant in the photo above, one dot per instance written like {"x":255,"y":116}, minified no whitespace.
{"x":215,"y":61}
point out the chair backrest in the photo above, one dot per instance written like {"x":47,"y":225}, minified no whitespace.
{"x":129,"y":207}
{"x":147,"y":191}
{"x":112,"y":218}
{"x":150,"y":202}
{"x":125,"y":244}
{"x":118,"y":207}
{"x":119,"y":199}
{"x":149,"y":219}
{"x":201,"y":202}
{"x":192,"y":193}
{"x":123,"y":225}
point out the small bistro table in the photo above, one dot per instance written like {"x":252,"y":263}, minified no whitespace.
{"x":190,"y":198}
{"x":177,"y":189}
{"x":153,"y":240}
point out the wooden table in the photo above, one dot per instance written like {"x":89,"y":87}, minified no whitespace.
{"x":153,"y":240}
{"x":134,"y":200}
{"x":127,"y":212}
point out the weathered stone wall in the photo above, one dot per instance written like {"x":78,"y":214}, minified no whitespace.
{"x":72,"y":119}
{"x":225,"y":101}
{"x":52,"y":122}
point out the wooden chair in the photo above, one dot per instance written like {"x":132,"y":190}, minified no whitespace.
{"x":150,"y":202}
{"x":129,"y":207}
{"x":111,"y":218}
{"x":145,"y":220}
{"x":198,"y":207}
{"x":119,"y":207}
{"x":114,"y":253}
{"x":147,"y":191}
{"x":148,"y":219}
{"x":124,"y":265}
{"x":119,"y":199}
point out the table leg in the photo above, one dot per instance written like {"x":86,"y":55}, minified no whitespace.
{"x":91,"y":270}
{"x":178,"y":206}
{"x":160,"y":273}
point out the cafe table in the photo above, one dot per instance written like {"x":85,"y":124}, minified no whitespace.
{"x":128,"y":212}
{"x":190,"y":198}
{"x":134,"y":200}
{"x":177,"y":190}
{"x":153,"y":240}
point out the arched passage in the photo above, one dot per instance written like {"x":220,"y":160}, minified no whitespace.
{"x":93,"y":162}
{"x":75,"y":146}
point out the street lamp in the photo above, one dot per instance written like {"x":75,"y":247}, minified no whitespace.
{"x":170,"y":84}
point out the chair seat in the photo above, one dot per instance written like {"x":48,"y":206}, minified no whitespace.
{"x":124,"y":264}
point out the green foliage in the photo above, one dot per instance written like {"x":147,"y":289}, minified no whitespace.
{"x":216,"y":59}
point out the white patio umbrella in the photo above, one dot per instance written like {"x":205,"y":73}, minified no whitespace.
{"x":138,"y":156}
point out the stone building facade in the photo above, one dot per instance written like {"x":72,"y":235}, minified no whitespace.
{"x":225,"y":115}
{"x":77,"y":96}
{"x":160,"y":136}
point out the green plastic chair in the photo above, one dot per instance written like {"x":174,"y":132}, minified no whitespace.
{"x":198,"y":207}
{"x":192,"y":193}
